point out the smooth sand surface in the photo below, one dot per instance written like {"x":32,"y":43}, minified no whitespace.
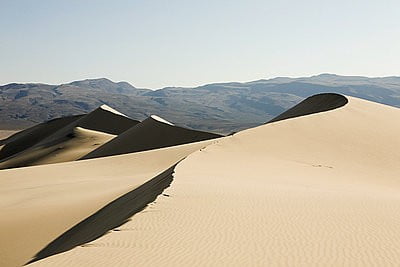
{"x":36,"y":145}
{"x":82,"y":142}
{"x":24,"y":139}
{"x":6,"y":133}
{"x":38,"y":204}
{"x":152,"y":133}
{"x":313,"y":104}
{"x":317,"y":190}
{"x":106,"y":119}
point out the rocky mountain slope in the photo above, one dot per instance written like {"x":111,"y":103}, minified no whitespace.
{"x":218,"y":107}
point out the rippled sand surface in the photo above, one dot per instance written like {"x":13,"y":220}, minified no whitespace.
{"x":318,"y":190}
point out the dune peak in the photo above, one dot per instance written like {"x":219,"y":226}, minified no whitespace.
{"x":110,"y":109}
{"x":157,"y":118}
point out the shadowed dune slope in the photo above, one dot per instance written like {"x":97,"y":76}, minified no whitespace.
{"x":81,"y":199}
{"x":31,"y":136}
{"x":5,"y":134}
{"x":152,"y":133}
{"x":313,"y":104}
{"x":105,"y":119}
{"x":29,"y":146}
{"x":101,"y":120}
{"x":81,"y":141}
{"x":109,"y":217}
{"x":315,"y":190}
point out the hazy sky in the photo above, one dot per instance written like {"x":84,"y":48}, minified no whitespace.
{"x":157,"y":43}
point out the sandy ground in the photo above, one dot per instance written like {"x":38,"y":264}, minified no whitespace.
{"x":37,"y":204}
{"x":83,"y":142}
{"x":6,"y":133}
{"x":319,"y":190}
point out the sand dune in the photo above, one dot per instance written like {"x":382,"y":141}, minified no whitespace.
{"x":313,"y":104}
{"x":31,"y":136}
{"x":82,"y":141}
{"x":316,"y":186}
{"x":152,"y":133}
{"x":101,"y":120}
{"x":4,"y":134}
{"x":106,"y":119}
{"x":40,"y":203}
{"x":315,"y":190}
{"x":64,"y":137}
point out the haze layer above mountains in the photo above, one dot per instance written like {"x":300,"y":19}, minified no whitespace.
{"x":218,"y":107}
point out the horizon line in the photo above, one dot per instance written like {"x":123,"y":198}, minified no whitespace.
{"x":204,"y":84}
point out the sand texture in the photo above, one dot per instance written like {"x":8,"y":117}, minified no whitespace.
{"x":4,"y":134}
{"x":33,"y":135}
{"x":316,"y":190}
{"x":152,"y":133}
{"x":63,"y":136}
{"x":82,"y":142}
{"x":40,"y":203}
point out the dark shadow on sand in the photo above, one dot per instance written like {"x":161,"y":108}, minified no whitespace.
{"x":56,"y":131}
{"x":109,"y":217}
{"x":24,"y":139}
{"x":313,"y":104}
{"x":149,"y":134}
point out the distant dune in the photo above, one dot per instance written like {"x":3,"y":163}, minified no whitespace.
{"x":40,"y":203}
{"x":5,"y":134}
{"x":218,"y":107}
{"x":314,"y":104}
{"x":31,"y":136}
{"x":152,"y":133}
{"x":63,"y":139}
{"x":317,"y":185}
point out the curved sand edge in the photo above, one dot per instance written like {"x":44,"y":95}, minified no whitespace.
{"x":4,"y":134}
{"x":40,"y":203}
{"x":152,"y":133}
{"x":82,"y":142}
{"x":318,"y":190}
{"x":112,"y":215}
{"x":27,"y":138}
{"x":29,"y":146}
{"x":314,"y":104}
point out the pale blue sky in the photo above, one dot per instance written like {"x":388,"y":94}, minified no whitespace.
{"x":157,"y":43}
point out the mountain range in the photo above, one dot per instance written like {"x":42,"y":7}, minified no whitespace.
{"x":217,"y":107}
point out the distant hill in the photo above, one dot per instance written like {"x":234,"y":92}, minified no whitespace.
{"x":218,"y":107}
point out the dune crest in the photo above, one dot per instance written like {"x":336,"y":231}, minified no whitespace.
{"x":39,"y":144}
{"x":157,"y":118}
{"x":318,"y":185}
{"x":313,"y":104}
{"x":4,"y":134}
{"x":152,"y":133}
{"x":315,"y":190}
{"x":110,"y":109}
{"x":27,"y":138}
{"x":40,"y":203}
{"x":83,"y":142}
{"x":129,"y":181}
